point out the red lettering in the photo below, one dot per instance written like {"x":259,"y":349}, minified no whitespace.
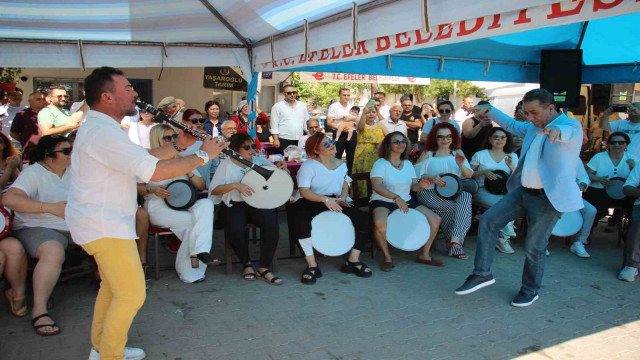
{"x":286,"y":62}
{"x":386,"y":45}
{"x":463,"y":27}
{"x":557,"y":12}
{"x":420,"y":40}
{"x":402,"y":40}
{"x":441,"y":31}
{"x":361,"y":48}
{"x":313,"y":54}
{"x":335,"y":55}
{"x":496,"y":22}
{"x":275,"y":64}
{"x":601,"y":5}
{"x":324,"y":54}
{"x":522,"y":18}
{"x":346,"y":48}
{"x":303,"y":59}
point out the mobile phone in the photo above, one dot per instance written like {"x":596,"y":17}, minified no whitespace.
{"x":371,"y":105}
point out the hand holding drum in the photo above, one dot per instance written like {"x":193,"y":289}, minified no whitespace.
{"x":244,"y":190}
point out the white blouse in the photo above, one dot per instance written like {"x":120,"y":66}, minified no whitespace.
{"x":321,"y":180}
{"x":227,"y":173}
{"x":437,"y":165}
{"x":394,"y":180}
{"x":603,"y":166}
{"x":486,"y":162}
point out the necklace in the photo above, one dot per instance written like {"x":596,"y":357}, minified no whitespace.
{"x":396,"y":166}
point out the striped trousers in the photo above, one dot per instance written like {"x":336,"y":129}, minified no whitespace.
{"x":455,"y":213}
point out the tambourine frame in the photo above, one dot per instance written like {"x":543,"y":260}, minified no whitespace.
{"x":606,"y":189}
{"x":457,"y":179}
{"x":189,"y":203}
{"x":501,"y":174}
{"x":8,"y":218}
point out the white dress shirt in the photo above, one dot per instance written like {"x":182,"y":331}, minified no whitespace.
{"x":288,"y":122}
{"x":530,"y":174}
{"x":393,"y":126}
{"x":384,"y":110}
{"x":102,"y":192}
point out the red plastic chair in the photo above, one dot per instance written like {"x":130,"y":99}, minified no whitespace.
{"x":157,"y":231}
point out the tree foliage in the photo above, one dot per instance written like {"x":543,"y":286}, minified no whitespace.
{"x":319,"y":94}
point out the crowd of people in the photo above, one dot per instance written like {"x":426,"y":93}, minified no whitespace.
{"x":100,"y":173}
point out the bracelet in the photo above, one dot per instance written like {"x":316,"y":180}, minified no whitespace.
{"x":326,"y":199}
{"x":175,"y":146}
{"x":192,"y":175}
{"x":396,"y":198}
{"x":146,"y":187}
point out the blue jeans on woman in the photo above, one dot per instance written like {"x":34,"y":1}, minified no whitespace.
{"x":541,"y":217}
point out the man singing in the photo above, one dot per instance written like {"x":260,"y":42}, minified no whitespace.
{"x":102,"y":203}
{"x":541,"y":188}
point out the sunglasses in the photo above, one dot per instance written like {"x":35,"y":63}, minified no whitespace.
{"x":328,"y":143}
{"x":144,"y":112}
{"x":617,"y":142}
{"x":446,"y":111}
{"x":444,"y":137}
{"x":62,"y":96}
{"x":399,"y":142}
{"x":499,"y":137}
{"x":195,"y":121}
{"x":291,"y":92}
{"x":249,"y":147}
{"x":169,"y":137}
{"x":65,"y":151}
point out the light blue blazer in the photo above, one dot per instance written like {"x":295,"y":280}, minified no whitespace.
{"x":557,"y":165}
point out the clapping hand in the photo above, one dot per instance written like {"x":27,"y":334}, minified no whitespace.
{"x":460,"y":159}
{"x":509,"y":161}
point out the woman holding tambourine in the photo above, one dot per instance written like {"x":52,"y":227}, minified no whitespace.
{"x":606,"y":169}
{"x":442,"y":155}
{"x":393,"y":178}
{"x":226,"y":188}
{"x":193,"y":226}
{"x":323,"y":184}
{"x":492,"y":167}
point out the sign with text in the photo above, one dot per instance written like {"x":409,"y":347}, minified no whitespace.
{"x":361,"y":78}
{"x":223,"y":78}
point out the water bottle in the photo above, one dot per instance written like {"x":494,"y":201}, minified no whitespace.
{"x":262,"y":153}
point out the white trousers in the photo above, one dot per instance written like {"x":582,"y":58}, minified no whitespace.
{"x":194,"y":227}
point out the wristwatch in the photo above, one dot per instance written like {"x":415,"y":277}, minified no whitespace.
{"x":203,"y":155}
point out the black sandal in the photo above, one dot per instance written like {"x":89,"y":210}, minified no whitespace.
{"x":313,"y":273}
{"x":352,"y":267}
{"x":205,"y":258}
{"x":37,"y":327}
{"x":274,"y":280}
{"x":249,"y":276}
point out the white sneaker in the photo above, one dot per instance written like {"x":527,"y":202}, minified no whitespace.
{"x":509,"y":230}
{"x":578,"y":249}
{"x":547,"y":252}
{"x":129,"y":354}
{"x":628,"y":273}
{"x":503,"y":246}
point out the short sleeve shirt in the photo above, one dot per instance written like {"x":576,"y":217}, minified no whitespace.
{"x":411,"y":118}
{"x":320,"y":179}
{"x":437,"y":165}
{"x":634,"y":181}
{"x":603,"y":166}
{"x":53,"y":116}
{"x":485,"y":161}
{"x":394,"y":180}
{"x":337,"y":111}
{"x":229,"y":172}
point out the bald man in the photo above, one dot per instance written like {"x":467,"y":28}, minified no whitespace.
{"x":461,"y":114}
{"x":393,"y":122}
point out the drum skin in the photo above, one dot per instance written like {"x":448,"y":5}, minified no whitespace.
{"x":268,"y":193}
{"x":332,"y":233}
{"x":498,"y":186}
{"x":5,"y":222}
{"x":614,"y":189}
{"x":408,"y":232}
{"x":568,"y":225}
{"x":183,"y":195}
{"x":452,"y":188}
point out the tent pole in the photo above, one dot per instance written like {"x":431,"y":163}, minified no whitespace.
{"x":224,"y":22}
{"x":584,"y":31}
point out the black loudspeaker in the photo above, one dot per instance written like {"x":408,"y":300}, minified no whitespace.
{"x":622,"y":94}
{"x":561,"y":74}
{"x":600,"y":94}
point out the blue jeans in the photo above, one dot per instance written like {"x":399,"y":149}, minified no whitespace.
{"x":541,"y":217}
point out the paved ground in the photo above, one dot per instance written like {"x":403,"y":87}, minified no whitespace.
{"x":410,"y":313}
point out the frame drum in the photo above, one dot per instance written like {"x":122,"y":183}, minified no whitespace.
{"x":182,"y":195}
{"x":408,"y":231}
{"x":451,"y":189}
{"x":568,"y":225}
{"x":614,"y":189}
{"x":271,"y":193}
{"x":6,"y":219}
{"x":498,"y":186}
{"x":470,"y":185}
{"x":332,"y":233}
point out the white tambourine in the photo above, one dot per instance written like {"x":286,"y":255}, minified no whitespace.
{"x":332,"y":233}
{"x":270,"y":193}
{"x":568,"y":225}
{"x":408,"y":231}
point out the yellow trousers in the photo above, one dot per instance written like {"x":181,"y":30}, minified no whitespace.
{"x":122,"y":293}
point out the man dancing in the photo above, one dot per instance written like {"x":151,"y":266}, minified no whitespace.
{"x":541,"y":188}
{"x":102,"y":203}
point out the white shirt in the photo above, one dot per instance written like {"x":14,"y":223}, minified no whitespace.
{"x":431,"y":122}
{"x":384,"y":110}
{"x":486,"y":162}
{"x":227,"y":173}
{"x":603,"y":166}
{"x":391,"y":126}
{"x":320,"y":180}
{"x":288,"y":122}
{"x":42,"y":185}
{"x":102,"y":192}
{"x":339,"y":112}
{"x":631,"y":129}
{"x":530,"y":174}
{"x":7,"y":113}
{"x":437,"y":165}
{"x":394,"y":180}
{"x":460,"y":116}
{"x":634,"y":180}
{"x":167,"y":182}
{"x":302,"y":141}
{"x":139,"y":134}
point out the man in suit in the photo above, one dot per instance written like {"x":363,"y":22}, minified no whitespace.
{"x":541,"y":188}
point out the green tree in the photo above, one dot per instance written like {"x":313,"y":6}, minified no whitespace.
{"x":439,"y":88}
{"x":319,"y":94}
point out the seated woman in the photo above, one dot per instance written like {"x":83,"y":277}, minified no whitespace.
{"x":393,"y":178}
{"x":38,"y":198}
{"x":9,"y":162}
{"x":323,"y":185}
{"x":194,"y":227}
{"x":497,"y":155}
{"x":225,"y":187}
{"x":615,"y":162}
{"x":13,"y":267}
{"x":442,"y":155}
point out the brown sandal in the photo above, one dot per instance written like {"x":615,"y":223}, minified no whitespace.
{"x":387,"y":266}
{"x":16,"y":312}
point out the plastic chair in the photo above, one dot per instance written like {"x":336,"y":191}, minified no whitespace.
{"x":156,"y":232}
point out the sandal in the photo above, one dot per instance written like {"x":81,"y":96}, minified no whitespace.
{"x":455,"y":250}
{"x":352,"y":267}
{"x":205,"y":258}
{"x":387,"y":266}
{"x":250,"y":276}
{"x":16,"y":312}
{"x":274,"y":280}
{"x":313,"y":273}
{"x":38,"y":327}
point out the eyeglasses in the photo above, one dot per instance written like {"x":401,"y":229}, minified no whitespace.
{"x":144,"y":112}
{"x":407,"y":105}
{"x":291,"y":92}
{"x":170,"y":137}
{"x":313,"y":127}
{"x":195,"y":121}
{"x":328,"y":143}
{"x":499,"y":137}
{"x":444,"y":137}
{"x":248,"y":147}
{"x":446,"y":111}
{"x":617,"y":142}
{"x":62,"y":96}
{"x":65,"y":151}
{"x":399,"y":142}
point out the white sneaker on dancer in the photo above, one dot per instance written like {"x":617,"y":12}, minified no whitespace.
{"x":129,"y":354}
{"x":503,"y":245}
{"x":578,"y":249}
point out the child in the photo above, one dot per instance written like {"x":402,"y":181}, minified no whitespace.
{"x":348,"y":123}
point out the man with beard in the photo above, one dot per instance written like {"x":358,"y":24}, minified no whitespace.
{"x":25,"y":124}
{"x":55,"y":119}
